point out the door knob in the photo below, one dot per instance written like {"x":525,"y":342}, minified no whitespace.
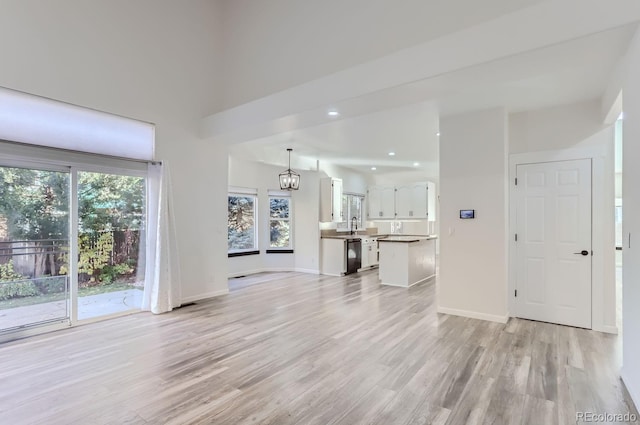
{"x":583,"y":252}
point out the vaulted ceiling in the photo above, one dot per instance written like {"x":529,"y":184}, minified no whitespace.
{"x":543,"y":55}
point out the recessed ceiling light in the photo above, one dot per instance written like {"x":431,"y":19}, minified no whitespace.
{"x":373,"y":168}
{"x":415,"y":164}
{"x":333,"y":113}
{"x":438,"y":133}
{"x":392,"y":154}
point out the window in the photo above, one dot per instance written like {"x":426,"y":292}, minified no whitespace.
{"x":242,"y":229}
{"x":280,"y":222}
{"x":352,"y":206}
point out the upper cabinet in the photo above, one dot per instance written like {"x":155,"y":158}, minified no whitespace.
{"x":411,"y":201}
{"x":331,"y":200}
{"x":381,"y":203}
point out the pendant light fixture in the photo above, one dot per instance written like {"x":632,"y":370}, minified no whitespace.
{"x":289,"y":179}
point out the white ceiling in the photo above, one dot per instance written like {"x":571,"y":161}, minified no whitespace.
{"x":405,"y":118}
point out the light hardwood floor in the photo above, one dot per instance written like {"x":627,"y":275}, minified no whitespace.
{"x":291,"y":348}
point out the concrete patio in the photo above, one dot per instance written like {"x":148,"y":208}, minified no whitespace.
{"x":88,"y":307}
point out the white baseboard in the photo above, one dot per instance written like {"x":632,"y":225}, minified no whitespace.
{"x":635,"y":397}
{"x":606,"y":329}
{"x":310,"y":271}
{"x":397,"y":285}
{"x":204,"y":296}
{"x":244,"y":273}
{"x":271,"y":269}
{"x":474,"y":314}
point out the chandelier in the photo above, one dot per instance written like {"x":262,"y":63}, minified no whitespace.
{"x":289,"y":179}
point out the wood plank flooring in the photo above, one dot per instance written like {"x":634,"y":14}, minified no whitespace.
{"x":291,"y":348}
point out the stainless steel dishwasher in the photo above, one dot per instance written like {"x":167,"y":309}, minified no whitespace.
{"x":354,"y":255}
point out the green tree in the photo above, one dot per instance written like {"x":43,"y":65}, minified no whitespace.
{"x":110,"y":202}
{"x":35,"y":205}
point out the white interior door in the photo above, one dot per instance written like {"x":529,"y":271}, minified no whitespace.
{"x":554,"y":242}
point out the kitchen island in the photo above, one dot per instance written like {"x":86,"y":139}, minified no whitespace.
{"x":406,"y":260}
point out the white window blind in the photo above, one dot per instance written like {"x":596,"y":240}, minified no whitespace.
{"x":36,"y":120}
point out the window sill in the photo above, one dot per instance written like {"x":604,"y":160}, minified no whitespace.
{"x":242,"y":253}
{"x":279,"y":251}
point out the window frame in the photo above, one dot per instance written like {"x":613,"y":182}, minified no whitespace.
{"x":343,"y":226}
{"x":244,"y":193}
{"x":280,"y":249}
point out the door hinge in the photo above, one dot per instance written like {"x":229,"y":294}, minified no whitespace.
{"x":516,"y":293}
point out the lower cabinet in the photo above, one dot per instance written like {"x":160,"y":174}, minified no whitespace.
{"x":369,"y":252}
{"x":373,"y":254}
{"x":333,"y":260}
{"x":365,"y":255}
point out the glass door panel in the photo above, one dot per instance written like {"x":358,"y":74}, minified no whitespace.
{"x":34,"y":247}
{"x":111,"y":222}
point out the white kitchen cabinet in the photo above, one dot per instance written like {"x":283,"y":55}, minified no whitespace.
{"x":369,"y":255}
{"x":372,"y":253}
{"x":411,"y":201}
{"x":364,"y":258}
{"x":333,"y":257}
{"x":331,"y":200}
{"x":381,"y":202}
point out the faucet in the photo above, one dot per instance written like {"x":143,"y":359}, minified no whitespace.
{"x":354,"y":220}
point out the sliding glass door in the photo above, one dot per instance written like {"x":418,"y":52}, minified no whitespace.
{"x":72,"y":244}
{"x":34,"y":246}
{"x":111,"y":222}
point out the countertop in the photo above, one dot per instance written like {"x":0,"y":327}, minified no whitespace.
{"x":347,"y":236}
{"x":407,"y":238}
{"x":384,"y":237}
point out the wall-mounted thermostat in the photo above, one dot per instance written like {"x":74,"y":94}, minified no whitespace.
{"x":467,"y":214}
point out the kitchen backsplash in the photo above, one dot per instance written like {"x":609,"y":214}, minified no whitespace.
{"x":367,"y":231}
{"x":405,"y":227}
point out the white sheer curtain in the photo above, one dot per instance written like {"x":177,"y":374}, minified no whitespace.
{"x":162,"y":272}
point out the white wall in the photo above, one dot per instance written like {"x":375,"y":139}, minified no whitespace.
{"x":631,"y":222}
{"x":473,"y":253}
{"x":282,"y":43}
{"x":307,"y":254}
{"x":352,"y":181}
{"x":560,"y":127}
{"x":572,"y":132}
{"x":157,"y":61}
{"x":305,"y":208}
